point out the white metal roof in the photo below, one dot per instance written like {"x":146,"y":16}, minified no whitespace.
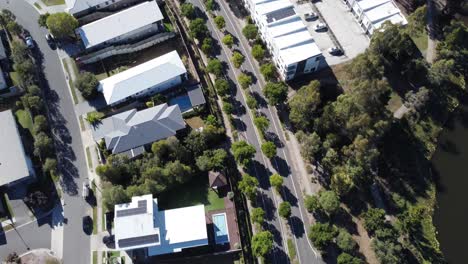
{"x":120,"y":23}
{"x":177,"y":228}
{"x":75,"y":6}
{"x":268,"y":7}
{"x":142,"y":77}
{"x":136,"y":225}
{"x":287,"y":27}
{"x":13,"y":163}
{"x":385,"y":12}
{"x":369,"y":4}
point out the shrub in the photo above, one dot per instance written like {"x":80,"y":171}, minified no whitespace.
{"x":285,"y":210}
{"x":87,"y":84}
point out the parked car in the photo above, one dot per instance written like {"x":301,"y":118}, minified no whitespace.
{"x":29,"y":42}
{"x":50,"y":40}
{"x":320,"y":26}
{"x":310,"y":16}
{"x":335,"y":51}
{"x":87,"y":224}
{"x":85,"y":192}
{"x":108,"y":241}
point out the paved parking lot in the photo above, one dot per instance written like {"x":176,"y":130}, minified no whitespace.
{"x":342,"y":31}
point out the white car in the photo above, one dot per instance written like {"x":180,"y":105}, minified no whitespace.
{"x":310,"y":16}
{"x":85,"y":190}
{"x":320,"y":26}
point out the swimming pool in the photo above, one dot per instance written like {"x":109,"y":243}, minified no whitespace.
{"x":220,"y":228}
{"x":183,"y":101}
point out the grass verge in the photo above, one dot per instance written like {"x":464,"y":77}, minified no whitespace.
{"x":25,"y":120}
{"x":95,"y":257}
{"x":38,"y":6}
{"x":82,"y":124}
{"x":291,"y":250}
{"x":14,"y":78}
{"x":88,"y":157}
{"x":53,"y":2}
{"x":95,"y":229}
{"x":70,"y":81}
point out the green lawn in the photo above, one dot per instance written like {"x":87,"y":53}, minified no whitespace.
{"x":191,"y":193}
{"x":25,"y":120}
{"x":70,"y":81}
{"x":53,"y":2}
{"x":95,"y":229}
{"x":95,"y":261}
{"x":88,"y":157}
{"x":394,"y":103}
{"x":38,"y":6}
{"x":421,"y":41}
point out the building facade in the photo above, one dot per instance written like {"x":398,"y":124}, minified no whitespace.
{"x":372,"y":14}
{"x":79,"y":8}
{"x":292,"y":47}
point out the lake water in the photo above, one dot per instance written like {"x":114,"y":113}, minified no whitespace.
{"x":451,"y":167}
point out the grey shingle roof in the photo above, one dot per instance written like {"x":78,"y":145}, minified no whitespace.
{"x":132,"y":129}
{"x":13,"y":164}
{"x":196,"y":96}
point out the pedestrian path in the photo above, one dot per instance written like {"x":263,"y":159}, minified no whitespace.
{"x":43,"y":8}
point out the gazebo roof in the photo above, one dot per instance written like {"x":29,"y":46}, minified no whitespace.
{"x":216,"y":179}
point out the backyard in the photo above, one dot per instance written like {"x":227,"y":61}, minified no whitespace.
{"x":191,"y":193}
{"x":24,"y":119}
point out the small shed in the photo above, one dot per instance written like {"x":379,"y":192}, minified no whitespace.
{"x":216,"y":179}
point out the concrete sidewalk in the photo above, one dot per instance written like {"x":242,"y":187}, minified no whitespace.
{"x":43,"y":8}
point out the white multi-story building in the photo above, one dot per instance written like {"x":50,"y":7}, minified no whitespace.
{"x":371,"y":14}
{"x":292,"y":47}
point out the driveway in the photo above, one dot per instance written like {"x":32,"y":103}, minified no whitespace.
{"x":343,"y":30}
{"x":67,"y":137}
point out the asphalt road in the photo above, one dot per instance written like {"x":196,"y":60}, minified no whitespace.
{"x":70,"y":152}
{"x":263,"y":168}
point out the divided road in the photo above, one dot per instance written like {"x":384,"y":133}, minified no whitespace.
{"x":262,"y":167}
{"x":64,"y":124}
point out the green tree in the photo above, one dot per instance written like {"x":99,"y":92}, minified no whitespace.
{"x":40,"y":124}
{"x":87,"y":84}
{"x":222,"y":87}
{"x":198,"y":28}
{"x":220,"y":23}
{"x":228,"y":108}
{"x":304,"y":104}
{"x":417,"y":21}
{"x":210,"y":5}
{"x":6,"y":16}
{"x":258,"y":52}
{"x":244,"y":80}
{"x":374,"y":219}
{"x":114,"y":195}
{"x":258,"y":216}
{"x":262,"y":123}
{"x":312,"y":203}
{"x":310,"y":145}
{"x":262,"y":243}
{"x":345,"y":241}
{"x":387,"y":251}
{"x":61,"y":24}
{"x":212,"y":160}
{"x":237,"y":59}
{"x":276,"y":93}
{"x":345,"y":258}
{"x":268,"y":71}
{"x":215,"y":67}
{"x":276,"y":181}
{"x":94,"y":117}
{"x":329,"y":202}
{"x":250,"y":31}
{"x":251,"y":102}
{"x":14,"y":28}
{"x":42,"y":20}
{"x":50,"y":165}
{"x":207,"y":45}
{"x":228,"y":40}
{"x":243,"y":152}
{"x":187,"y":10}
{"x":35,"y":103}
{"x":248,"y":186}
{"x":269,"y":149}
{"x":285,"y":210}
{"x":34,"y":90}
{"x":322,"y":235}
{"x":42,"y":145}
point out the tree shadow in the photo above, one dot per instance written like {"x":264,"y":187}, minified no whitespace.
{"x":288,"y":196}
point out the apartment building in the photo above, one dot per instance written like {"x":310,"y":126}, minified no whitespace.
{"x":372,"y":14}
{"x":292,"y":47}
{"x":79,"y":8}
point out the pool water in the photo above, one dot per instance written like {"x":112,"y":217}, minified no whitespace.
{"x":183,"y":101}
{"x":220,"y":228}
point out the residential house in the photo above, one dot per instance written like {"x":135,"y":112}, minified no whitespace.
{"x":371,"y":14}
{"x":15,"y":165}
{"x":130,"y":131}
{"x":292,"y":47}
{"x":80,"y":8}
{"x":129,"y":25}
{"x":151,"y":77}
{"x":141,"y":225}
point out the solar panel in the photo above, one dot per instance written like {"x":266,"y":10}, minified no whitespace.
{"x":141,"y":209}
{"x":135,"y":241}
{"x":280,"y":14}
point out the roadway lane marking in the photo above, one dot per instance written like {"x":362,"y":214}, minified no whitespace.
{"x":273,"y":119}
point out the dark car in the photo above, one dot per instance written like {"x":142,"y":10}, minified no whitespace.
{"x":29,"y":42}
{"x":51,"y":41}
{"x":108,"y":241}
{"x":87,"y":225}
